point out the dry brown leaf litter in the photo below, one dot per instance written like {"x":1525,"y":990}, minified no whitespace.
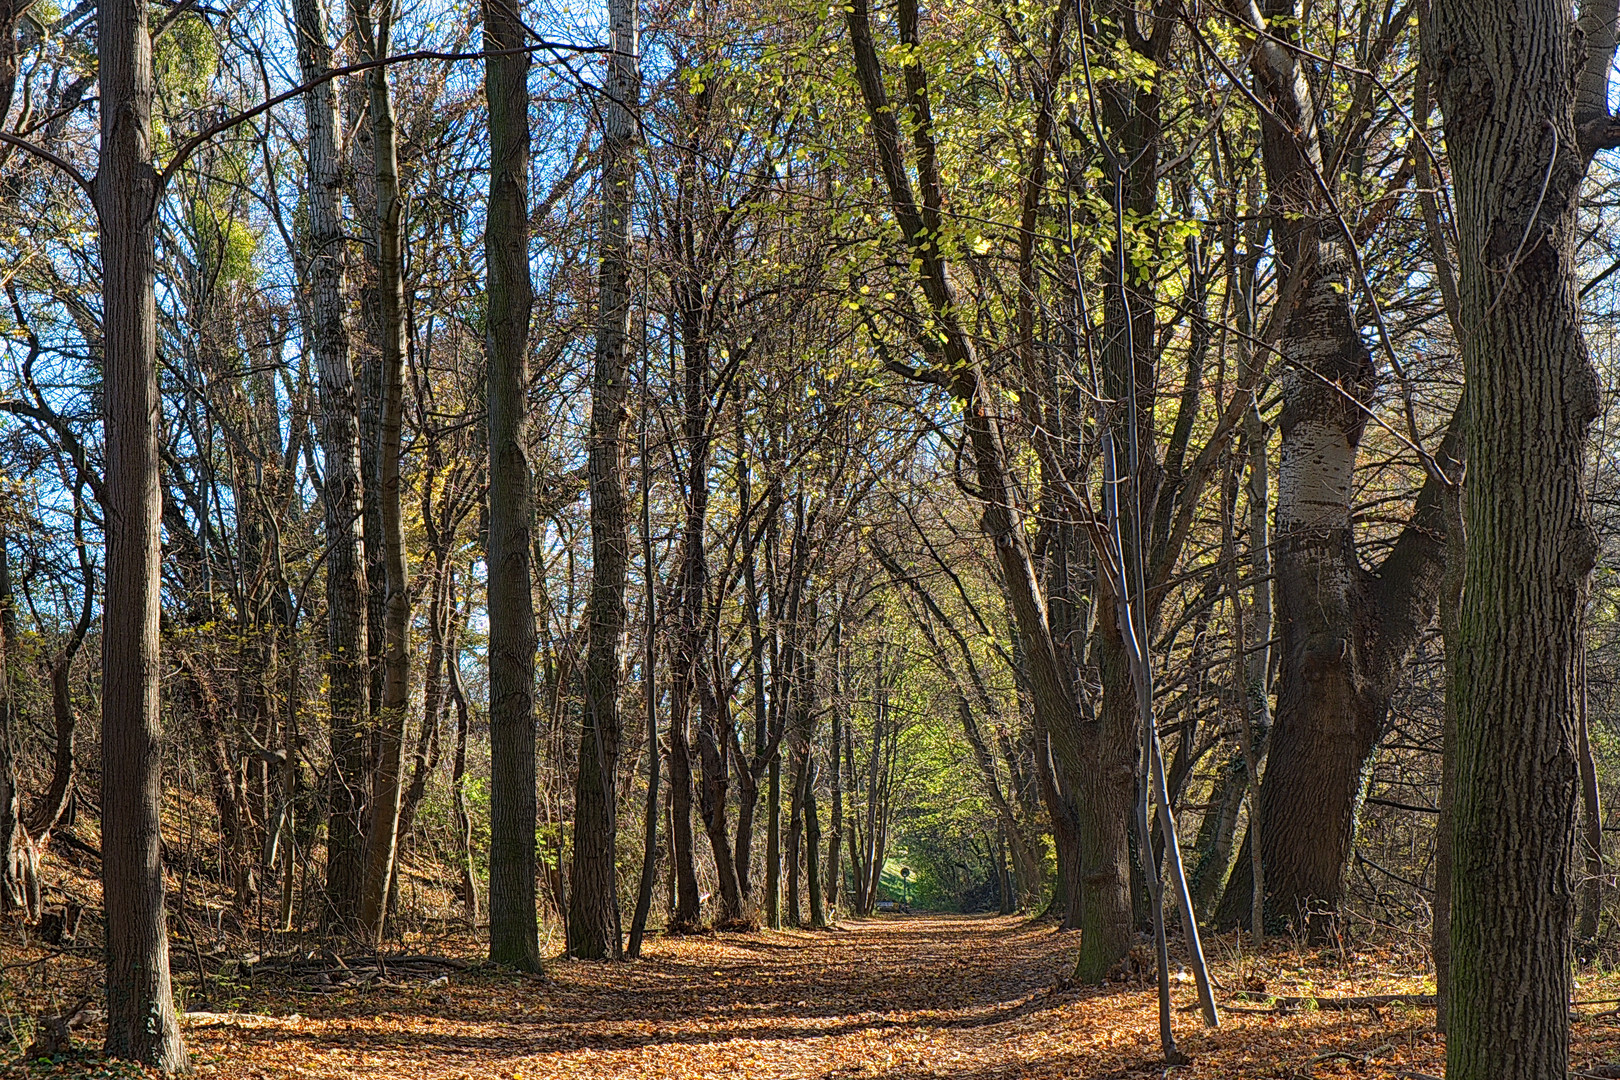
{"x":930,"y":998}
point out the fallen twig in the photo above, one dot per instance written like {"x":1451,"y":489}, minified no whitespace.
{"x":1335,"y":1004}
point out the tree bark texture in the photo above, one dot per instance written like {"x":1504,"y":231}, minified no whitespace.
{"x":649,"y":691}
{"x":382,"y":839}
{"x":773,"y":843}
{"x":593,"y":918}
{"x":713,"y":746}
{"x":1450,"y":611}
{"x":1506,"y":72}
{"x":1344,"y":631}
{"x":141,"y":1021}
{"x":347,"y":667}
{"x":11,"y":870}
{"x":513,"y":917}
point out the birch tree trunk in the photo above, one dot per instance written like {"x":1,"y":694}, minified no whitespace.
{"x":513,"y":918}
{"x":141,"y":1022}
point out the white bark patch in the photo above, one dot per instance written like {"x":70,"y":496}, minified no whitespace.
{"x":1313,"y":485}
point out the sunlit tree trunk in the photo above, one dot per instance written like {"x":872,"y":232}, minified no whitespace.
{"x":812,"y":847}
{"x":382,"y":839}
{"x":141,"y":1021}
{"x":348,"y":692}
{"x":649,"y":690}
{"x":513,"y":917}
{"x":593,"y":915}
{"x":458,"y":787}
{"x":1506,"y":72}
{"x":713,"y":745}
{"x":1344,"y":632}
{"x":11,"y":894}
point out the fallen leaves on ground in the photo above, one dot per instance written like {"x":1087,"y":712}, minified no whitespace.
{"x":918,"y":998}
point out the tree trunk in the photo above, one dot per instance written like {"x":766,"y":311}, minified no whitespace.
{"x":1450,"y":609}
{"x":1506,"y":72}
{"x":513,"y":917}
{"x":686,"y":915}
{"x":382,"y":839}
{"x":442,"y":632}
{"x":1344,"y":632}
{"x":1088,"y":749}
{"x":593,"y":918}
{"x":835,"y":835}
{"x":795,"y":837}
{"x":1586,"y":927}
{"x":141,"y":1022}
{"x":773,"y":845}
{"x":649,"y":690}
{"x":458,"y":785}
{"x":11,"y":891}
{"x":812,"y":846}
{"x":348,"y":693}
{"x":713,"y":745}
{"x":751,"y":770}
{"x":742,"y":846}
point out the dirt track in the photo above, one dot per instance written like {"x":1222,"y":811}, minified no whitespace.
{"x":906,"y":997}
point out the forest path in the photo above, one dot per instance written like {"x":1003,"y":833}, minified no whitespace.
{"x":927,"y":997}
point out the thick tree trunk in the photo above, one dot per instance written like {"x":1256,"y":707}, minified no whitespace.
{"x":367,"y":346}
{"x":1107,"y":779}
{"x":348,"y":693}
{"x":593,"y":917}
{"x":1451,"y":591}
{"x":1344,"y":632}
{"x":382,"y":839}
{"x":513,"y":917}
{"x":141,"y":1022}
{"x":1506,"y":72}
